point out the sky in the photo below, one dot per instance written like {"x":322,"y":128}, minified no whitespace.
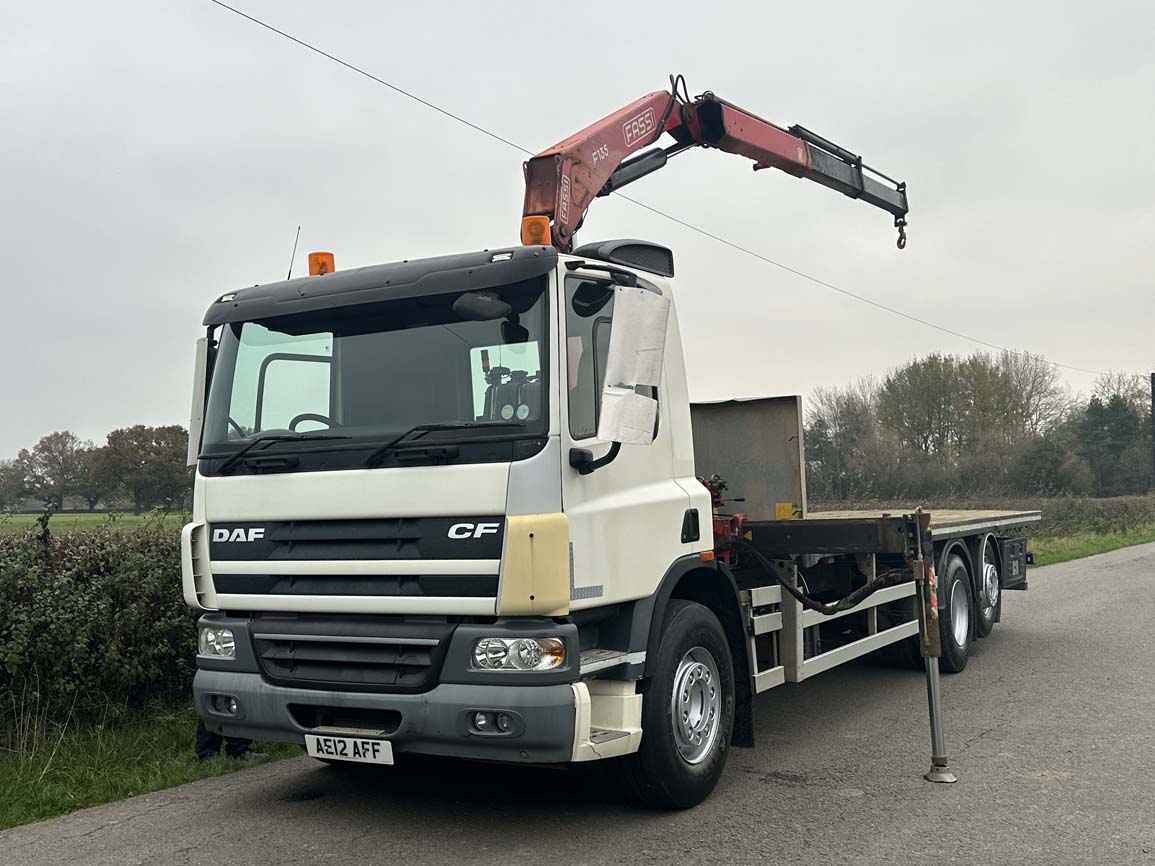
{"x":155,"y":154}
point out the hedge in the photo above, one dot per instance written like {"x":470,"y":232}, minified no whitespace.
{"x":90,"y":621}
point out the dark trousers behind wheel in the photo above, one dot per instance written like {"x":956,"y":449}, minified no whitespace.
{"x":208,"y":744}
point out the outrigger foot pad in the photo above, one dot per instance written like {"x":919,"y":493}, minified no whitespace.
{"x":941,"y":774}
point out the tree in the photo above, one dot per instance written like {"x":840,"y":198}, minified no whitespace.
{"x":1040,"y":400}
{"x":12,"y":487}
{"x":919,"y":402}
{"x":52,"y":469}
{"x":97,"y":476}
{"x":1106,"y":435}
{"x":150,"y":463}
{"x":1134,"y":388}
{"x":843,"y":424}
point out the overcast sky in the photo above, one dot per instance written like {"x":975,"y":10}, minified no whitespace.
{"x":155,"y":154}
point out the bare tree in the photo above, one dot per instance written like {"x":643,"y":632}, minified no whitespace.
{"x":1041,"y":398}
{"x":1134,"y":388}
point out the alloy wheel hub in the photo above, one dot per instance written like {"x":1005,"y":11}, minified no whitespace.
{"x":695,"y":706}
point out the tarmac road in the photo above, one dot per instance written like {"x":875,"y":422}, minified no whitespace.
{"x":1051,"y":729}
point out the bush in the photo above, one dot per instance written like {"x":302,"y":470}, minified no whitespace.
{"x":91,"y":620}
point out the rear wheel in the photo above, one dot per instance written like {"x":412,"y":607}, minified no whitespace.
{"x":956,"y":626}
{"x":990,"y":583}
{"x":687,"y":712}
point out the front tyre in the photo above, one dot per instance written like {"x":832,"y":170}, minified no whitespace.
{"x":687,"y":712}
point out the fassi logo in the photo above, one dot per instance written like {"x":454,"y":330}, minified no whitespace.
{"x":255,"y":533}
{"x":473,"y":530}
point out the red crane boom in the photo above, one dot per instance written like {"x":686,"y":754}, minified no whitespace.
{"x":562,"y":181}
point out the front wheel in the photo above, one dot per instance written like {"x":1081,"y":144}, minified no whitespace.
{"x":687,"y":712}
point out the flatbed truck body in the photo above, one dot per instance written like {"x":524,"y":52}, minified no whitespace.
{"x":463,"y":505}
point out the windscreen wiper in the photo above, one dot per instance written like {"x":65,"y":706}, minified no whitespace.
{"x":224,"y":468}
{"x":375,"y":457}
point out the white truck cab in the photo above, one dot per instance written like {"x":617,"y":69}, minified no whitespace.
{"x":450,"y":506}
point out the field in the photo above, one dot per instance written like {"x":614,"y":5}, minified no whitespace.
{"x":79,"y":521}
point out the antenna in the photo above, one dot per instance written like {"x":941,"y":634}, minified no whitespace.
{"x":294,"y":255}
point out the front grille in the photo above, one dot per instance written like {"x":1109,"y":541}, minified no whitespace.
{"x":403,"y":538}
{"x":407,"y":585}
{"x":353,"y":653}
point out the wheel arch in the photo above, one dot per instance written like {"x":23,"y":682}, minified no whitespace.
{"x":712,"y":585}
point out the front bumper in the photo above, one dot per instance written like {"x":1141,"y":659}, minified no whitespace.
{"x":432,"y":723}
{"x":436,"y":722}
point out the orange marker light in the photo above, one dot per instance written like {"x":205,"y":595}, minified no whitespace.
{"x":535,"y":231}
{"x":321,"y":263}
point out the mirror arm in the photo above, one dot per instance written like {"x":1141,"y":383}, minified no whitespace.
{"x":582,"y":459}
{"x":618,"y":275}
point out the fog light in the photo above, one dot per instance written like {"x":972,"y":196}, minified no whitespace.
{"x":217,"y":643}
{"x":504,"y":722}
{"x":223,"y":705}
{"x":518,"y":654}
{"x":481,"y":721}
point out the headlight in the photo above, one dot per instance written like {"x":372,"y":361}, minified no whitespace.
{"x":518,"y":654}
{"x":217,"y":642}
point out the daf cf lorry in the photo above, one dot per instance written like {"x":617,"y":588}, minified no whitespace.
{"x":463,"y":506}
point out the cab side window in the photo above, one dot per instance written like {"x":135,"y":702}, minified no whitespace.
{"x":589,"y":311}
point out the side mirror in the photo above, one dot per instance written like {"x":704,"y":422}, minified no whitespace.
{"x":197,"y":416}
{"x":637,"y":347}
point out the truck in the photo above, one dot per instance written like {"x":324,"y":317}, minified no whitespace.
{"x":464,"y":506}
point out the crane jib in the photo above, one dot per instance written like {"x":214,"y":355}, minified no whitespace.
{"x":562,"y":181}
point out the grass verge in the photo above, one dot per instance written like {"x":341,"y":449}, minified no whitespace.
{"x":60,"y":769}
{"x":81,"y":522}
{"x":1049,"y":551}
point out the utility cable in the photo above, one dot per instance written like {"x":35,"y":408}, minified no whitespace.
{"x":688,"y":225}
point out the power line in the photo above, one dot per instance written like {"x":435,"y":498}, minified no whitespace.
{"x":371,"y":76}
{"x":705,"y":233}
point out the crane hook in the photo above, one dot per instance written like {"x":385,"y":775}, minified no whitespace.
{"x":900,"y":224}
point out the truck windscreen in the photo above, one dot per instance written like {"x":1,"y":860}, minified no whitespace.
{"x":371,"y":372}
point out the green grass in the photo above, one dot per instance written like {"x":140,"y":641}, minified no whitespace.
{"x":59,"y":770}
{"x":10,"y":523}
{"x":1049,"y":551}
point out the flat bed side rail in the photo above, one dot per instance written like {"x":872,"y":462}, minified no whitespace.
{"x":861,"y":532}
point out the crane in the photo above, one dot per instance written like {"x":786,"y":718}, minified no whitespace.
{"x":562,"y":181}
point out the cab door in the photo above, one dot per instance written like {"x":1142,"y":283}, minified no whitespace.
{"x":626,"y":517}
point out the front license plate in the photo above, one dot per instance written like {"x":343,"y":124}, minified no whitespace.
{"x":349,"y":749}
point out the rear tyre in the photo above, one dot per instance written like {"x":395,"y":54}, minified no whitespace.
{"x":687,"y":712}
{"x":990,"y":602}
{"x":956,"y":624}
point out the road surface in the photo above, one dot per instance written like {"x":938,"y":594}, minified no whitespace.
{"x":1051,"y":729}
